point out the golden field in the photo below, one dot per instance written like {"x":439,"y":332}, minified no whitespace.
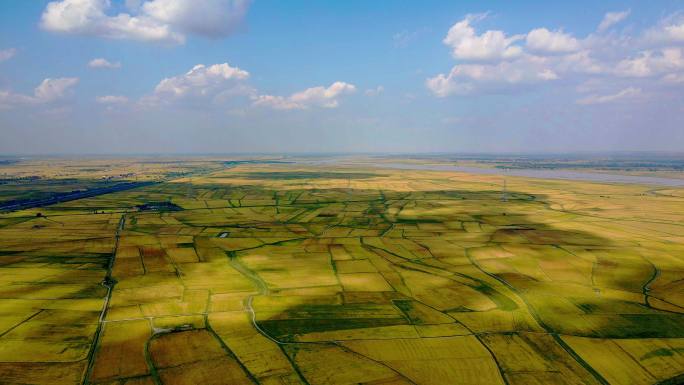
{"x":285,"y":273}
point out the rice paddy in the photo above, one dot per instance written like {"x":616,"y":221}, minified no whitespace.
{"x":285,"y":273}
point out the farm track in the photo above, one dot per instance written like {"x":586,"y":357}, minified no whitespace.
{"x":389,"y":227}
{"x":264,"y":290}
{"x":597,"y":376}
{"x":419,"y":267}
{"x":227,"y":349}
{"x":109,"y":283}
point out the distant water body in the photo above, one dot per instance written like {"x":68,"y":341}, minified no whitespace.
{"x":546,"y":174}
{"x":530,"y":173}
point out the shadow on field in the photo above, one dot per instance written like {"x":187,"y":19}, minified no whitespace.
{"x":585,"y":312}
{"x":508,"y":263}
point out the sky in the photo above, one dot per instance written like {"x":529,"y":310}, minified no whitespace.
{"x":240,"y":76}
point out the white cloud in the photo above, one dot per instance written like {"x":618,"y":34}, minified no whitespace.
{"x":519,"y":73}
{"x":111,"y":99}
{"x":491,"y":45}
{"x":507,"y":66}
{"x":651,"y":63}
{"x":48,"y":90}
{"x":213,"y":18}
{"x":311,"y":97}
{"x":276,"y":102}
{"x":626,"y":93}
{"x":578,"y":62}
{"x":543,"y":40}
{"x":612,"y":18}
{"x":7,"y":54}
{"x":472,"y":78}
{"x":674,"y":78}
{"x":222,"y":84}
{"x":201,"y":83}
{"x":155,"y":20}
{"x":9,"y":99}
{"x":103,"y":63}
{"x":87,"y":17}
{"x":375,"y":91}
{"x":200,"y":80}
{"x":550,"y":54}
{"x":669,"y":30}
{"x":52,"y":89}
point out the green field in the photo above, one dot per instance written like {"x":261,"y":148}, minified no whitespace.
{"x":284,"y":273}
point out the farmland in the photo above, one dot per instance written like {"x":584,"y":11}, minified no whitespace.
{"x":292,"y":273}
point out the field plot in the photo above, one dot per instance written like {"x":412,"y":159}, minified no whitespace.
{"x":51,"y":269}
{"x":298,"y":274}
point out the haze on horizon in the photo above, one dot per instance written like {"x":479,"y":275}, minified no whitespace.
{"x":221,"y":76}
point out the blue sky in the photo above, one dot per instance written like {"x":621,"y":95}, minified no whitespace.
{"x":88,"y":76}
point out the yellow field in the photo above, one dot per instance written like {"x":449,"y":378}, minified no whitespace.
{"x":284,"y":273}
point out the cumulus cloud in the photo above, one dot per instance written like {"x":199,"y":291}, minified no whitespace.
{"x":581,"y":62}
{"x":223,"y":84}
{"x":466,"y":44}
{"x":501,"y":65}
{"x":276,"y":102}
{"x":670,"y":30}
{"x":612,"y":18}
{"x":493,"y":63}
{"x":52,"y":89}
{"x":111,"y":99}
{"x":200,"y":80}
{"x":651,"y":63}
{"x":326,"y":97}
{"x":212,"y":18}
{"x":6,"y":54}
{"x":545,"y":41}
{"x":48,"y":90}
{"x":154,"y":20}
{"x":626,"y":93}
{"x":88,"y":17}
{"x":200,"y":83}
{"x":470,"y":78}
{"x":103,"y":63}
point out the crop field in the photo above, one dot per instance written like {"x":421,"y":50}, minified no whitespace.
{"x":293,"y":273}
